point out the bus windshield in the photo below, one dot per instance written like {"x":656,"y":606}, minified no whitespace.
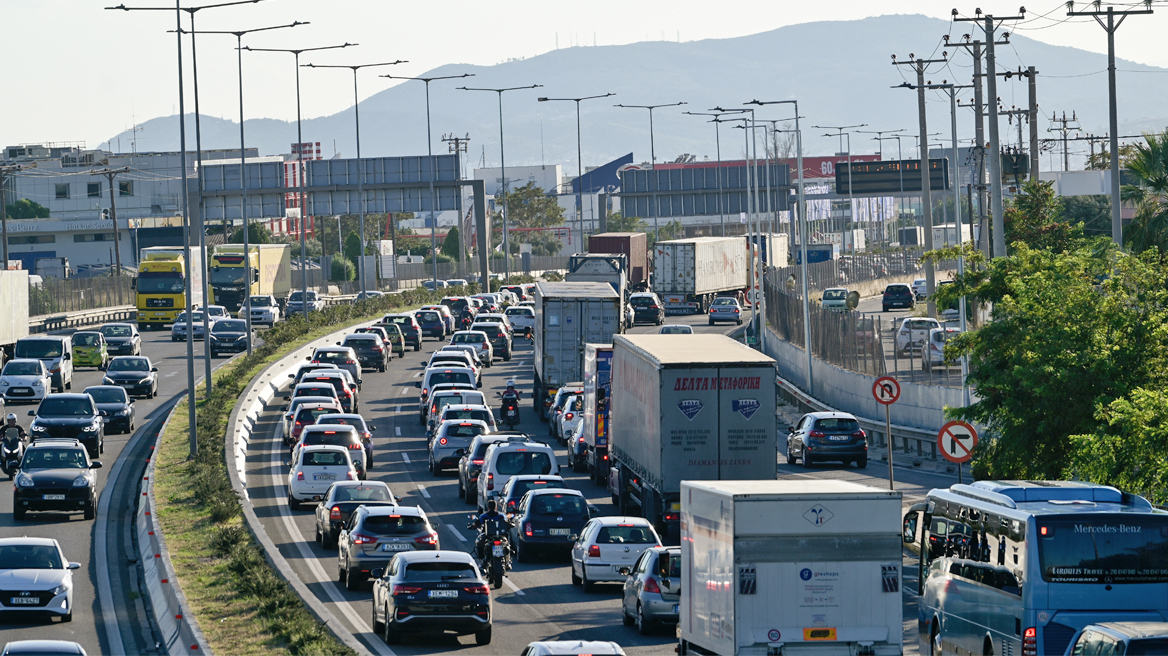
{"x":1103,"y":548}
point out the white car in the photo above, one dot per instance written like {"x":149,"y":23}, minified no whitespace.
{"x":315,"y":469}
{"x":912,"y":333}
{"x":265,"y":310}
{"x":676,"y":329}
{"x":297,"y":301}
{"x":496,"y":317}
{"x":463,"y":411}
{"x":570,"y":417}
{"x":470,"y":349}
{"x":608,"y":544}
{"x":24,"y":380}
{"x":835,"y":299}
{"x":522,"y":318}
{"x":567,"y":647}
{"x":36,"y":578}
{"x":477,"y":339}
{"x":920,"y":288}
{"x":217,"y":312}
{"x":934,"y":356}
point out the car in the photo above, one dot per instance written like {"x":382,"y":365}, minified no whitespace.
{"x":374,"y":534}
{"x":647,"y":307}
{"x":548,"y":520}
{"x":409,"y":327}
{"x":471,"y":463}
{"x":512,"y":458}
{"x":305,"y":369}
{"x":37,"y":578}
{"x":652,"y":591}
{"x":56,"y":475}
{"x":920,"y":289}
{"x":499,"y":337}
{"x":1120,"y":639}
{"x":322,"y":388}
{"x":499,"y":318}
{"x":431,"y":592}
{"x":133,"y":373}
{"x":456,"y":282}
{"x":571,"y":413}
{"x":479,"y":340}
{"x":490,"y":303}
{"x":675,"y":329}
{"x":431,"y":323}
{"x":953,"y":312}
{"x":456,"y":304}
{"x":440,"y":375}
{"x":122,"y":338}
{"x":608,"y":544}
{"x":913,"y":333}
{"x":517,"y":486}
{"x":216,"y":312}
{"x":725,"y":308}
{"x":89,"y":349}
{"x":370,"y":350}
{"x":356,"y":421}
{"x":440,"y":400}
{"x":117,"y":404}
{"x":835,"y":299}
{"x":934,"y":355}
{"x":823,"y":436}
{"x":43,"y":648}
{"x":341,"y":357}
{"x":315,"y":469}
{"x":558,"y":402}
{"x":452,"y":411}
{"x":70,"y":416}
{"x":434,"y":285}
{"x":521,"y":317}
{"x":470,"y":349}
{"x":346,"y":436}
{"x":228,"y":336}
{"x":369,"y":293}
{"x":573,"y":648}
{"x":515,"y":289}
{"x":394,"y":344}
{"x":451,"y":440}
{"x":305,"y":411}
{"x":454,"y":357}
{"x":447,"y":316}
{"x":25,"y":380}
{"x":341,"y":499}
{"x":397,"y":338}
{"x":297,"y":301}
{"x":55,"y":352}
{"x":265,"y":310}
{"x":897,"y":295}
{"x":577,"y":447}
{"x":178,"y":330}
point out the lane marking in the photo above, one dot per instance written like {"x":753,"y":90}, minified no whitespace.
{"x":397,"y":429}
{"x":404,"y":390}
{"x":417,"y":374}
{"x":422,"y":489}
{"x":455,"y":531}
{"x":406,"y":457}
{"x":398,"y":409}
{"x":514,"y":588}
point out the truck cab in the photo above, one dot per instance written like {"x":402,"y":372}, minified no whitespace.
{"x":161,"y":289}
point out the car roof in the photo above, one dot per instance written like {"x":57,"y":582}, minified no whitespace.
{"x":43,"y":647}
{"x":24,"y":360}
{"x":554,"y":490}
{"x":17,"y":541}
{"x":524,"y":445}
{"x":345,"y":415}
{"x":614,"y":520}
{"x":444,"y":368}
{"x":831,"y":415}
{"x":1134,"y":629}
{"x":570,"y":647}
{"x":471,"y":332}
{"x":441,"y":554}
{"x":412,"y":511}
{"x":326,"y":349}
{"x":324,"y":447}
{"x":86,"y":390}
{"x":466,"y":406}
{"x":330,"y":428}
{"x":311,"y":402}
{"x":306,"y":385}
{"x":365,"y":337}
{"x":58,"y":442}
{"x":68,"y":395}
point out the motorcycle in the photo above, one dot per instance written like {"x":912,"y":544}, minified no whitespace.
{"x":493,"y":549}
{"x":510,"y":411}
{"x":11,"y":452}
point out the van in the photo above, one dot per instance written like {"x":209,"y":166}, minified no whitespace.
{"x":55,"y":352}
{"x":512,"y":458}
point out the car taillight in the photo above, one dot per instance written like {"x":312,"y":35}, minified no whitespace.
{"x":1030,"y":642}
{"x":406,"y":589}
{"x":672,"y":517}
{"x":477,"y":589}
{"x":860,"y":434}
{"x":490,"y":481}
{"x":335,"y":513}
{"x":816,"y":433}
{"x":363,"y":539}
{"x":594,"y":551}
{"x":568,"y":417}
{"x":527,"y":529}
{"x":430,"y":539}
{"x":349,"y":475}
{"x":712,"y":310}
{"x":300,"y":476}
{"x":651,"y":585}
{"x":442,"y":441}
{"x":354,"y":447}
{"x":434,"y":408}
{"x":477,"y":462}
{"x":581,"y":440}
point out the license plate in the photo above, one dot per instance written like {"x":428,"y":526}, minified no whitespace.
{"x":675,"y":608}
{"x":443,"y":594}
{"x":20,"y":390}
{"x":129,"y":384}
{"x":497,"y":551}
{"x":54,"y":497}
{"x":395,"y":546}
{"x":838,"y":438}
{"x":558,"y":531}
{"x":323,"y":477}
{"x":24,"y":601}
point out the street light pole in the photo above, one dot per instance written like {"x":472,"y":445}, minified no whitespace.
{"x":879,"y":139}
{"x":503,"y":169}
{"x":653,"y":157}
{"x":579,"y":162}
{"x":851,"y":199}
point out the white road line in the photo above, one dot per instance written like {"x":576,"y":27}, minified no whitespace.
{"x":406,"y":457}
{"x":514,"y":588}
{"x":422,"y":489}
{"x":417,"y":374}
{"x":397,"y":430}
{"x":404,"y":390}
{"x":455,"y":531}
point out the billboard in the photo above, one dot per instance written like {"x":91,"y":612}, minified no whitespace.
{"x":890,"y":177}
{"x":693,"y":189}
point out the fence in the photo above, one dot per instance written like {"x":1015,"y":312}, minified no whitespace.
{"x":52,"y":296}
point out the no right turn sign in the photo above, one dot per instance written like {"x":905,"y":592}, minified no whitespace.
{"x":956,"y":440}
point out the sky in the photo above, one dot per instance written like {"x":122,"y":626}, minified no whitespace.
{"x":79,"y":72}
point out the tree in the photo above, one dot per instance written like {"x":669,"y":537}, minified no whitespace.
{"x":26,"y":209}
{"x":342,"y":269}
{"x":1149,"y":166}
{"x":529,"y":207}
{"x":1127,"y":450}
{"x":1035,"y":218}
{"x":353,"y":247}
{"x":450,"y":245}
{"x":617,"y":222}
{"x":312,"y":245}
{"x":257,"y":233}
{"x":1094,"y":212}
{"x":1101,"y":161}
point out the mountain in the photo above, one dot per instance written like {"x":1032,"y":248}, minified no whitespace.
{"x":840,"y":71}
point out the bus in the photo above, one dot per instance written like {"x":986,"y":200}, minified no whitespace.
{"x":1017,"y":567}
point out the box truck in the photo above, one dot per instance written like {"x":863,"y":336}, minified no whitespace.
{"x":817,"y":253}
{"x":686,"y":408}
{"x":609,"y":268}
{"x":569,"y":315}
{"x":14,"y":319}
{"x":689,"y":273}
{"x":634,"y":246}
{"x":790,"y":567}
{"x":161,"y":284}
{"x":271,"y":272}
{"x":597,"y":394}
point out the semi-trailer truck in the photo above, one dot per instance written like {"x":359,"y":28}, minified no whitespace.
{"x":271,"y":273}
{"x":14,"y":319}
{"x":634,"y":246}
{"x":161,"y":284}
{"x":686,"y":407}
{"x":597,"y":396}
{"x":689,"y":273}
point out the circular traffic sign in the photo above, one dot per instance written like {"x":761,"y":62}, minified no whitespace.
{"x":755,"y":295}
{"x":886,"y":390}
{"x":956,"y":440}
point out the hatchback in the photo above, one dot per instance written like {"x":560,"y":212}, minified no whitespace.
{"x":322,"y":388}
{"x":431,"y":323}
{"x":304,"y":411}
{"x":431,"y":591}
{"x":477,"y":339}
{"x":821,"y":436}
{"x":653,"y":589}
{"x":499,"y":337}
{"x":394,"y":344}
{"x":548,"y":519}
{"x":835,"y":299}
{"x":522,"y":318}
{"x":25,"y":380}
{"x":451,"y":440}
{"x":439,"y":400}
{"x":338,"y":435}
{"x":920,"y":288}
{"x":573,"y":647}
{"x":518,"y":486}
{"x":447,"y":316}
{"x":122,"y":338}
{"x":411,"y":331}
{"x":913,"y":333}
{"x":56,"y":475}
{"x":897,"y":296}
{"x":606,"y":546}
{"x":341,"y":357}
{"x":370,"y":350}
{"x":934,"y":355}
{"x":89,"y":349}
{"x":229,"y":335}
{"x":364,"y":430}
{"x":342,"y":498}
{"x":676,"y":329}
{"x":134,"y":373}
{"x":374,"y":534}
{"x":37,"y":578}
{"x":647,"y":307}
{"x":316,"y":469}
{"x":466,"y":412}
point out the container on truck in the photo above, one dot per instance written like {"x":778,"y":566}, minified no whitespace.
{"x":689,"y":273}
{"x":634,"y":246}
{"x":817,"y":253}
{"x":773,"y":246}
{"x":53,"y":267}
{"x":790,"y":567}
{"x":271,"y":273}
{"x":161,"y":284}
{"x":597,"y":397}
{"x":911,"y":236}
{"x":849,"y":241}
{"x":950,"y":234}
{"x":686,"y":407}
{"x":14,"y":319}
{"x":569,"y":315}
{"x":609,"y":268}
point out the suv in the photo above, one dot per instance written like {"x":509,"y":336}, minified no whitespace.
{"x":264,"y":310}
{"x":823,"y":436}
{"x":370,"y":350}
{"x":512,"y":458}
{"x":498,"y":335}
{"x":431,"y":323}
{"x":913,"y":333}
{"x":297,"y":300}
{"x":340,"y":435}
{"x":408,"y":325}
{"x":56,"y":475}
{"x":471,"y":464}
{"x":372,"y":536}
{"x":647,"y":307}
{"x":341,"y":357}
{"x":898,"y":296}
{"x":72,"y":416}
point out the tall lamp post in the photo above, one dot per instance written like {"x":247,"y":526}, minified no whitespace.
{"x":301,"y":178}
{"x":434,"y":167}
{"x":361,"y":274}
{"x":880,"y":139}
{"x":503,"y":167}
{"x":851,"y":201}
{"x":717,"y":121}
{"x":653,"y":158}
{"x":579,"y":160}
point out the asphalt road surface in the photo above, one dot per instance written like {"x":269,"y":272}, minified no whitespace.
{"x":904,"y":367}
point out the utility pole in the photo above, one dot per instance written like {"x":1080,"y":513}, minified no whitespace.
{"x":457,"y":146}
{"x":979,"y":138}
{"x":5,"y":172}
{"x":1064,"y":129}
{"x":1111,"y":26}
{"x":110,"y":174}
{"x":1032,"y":88}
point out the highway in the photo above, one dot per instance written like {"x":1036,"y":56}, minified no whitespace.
{"x":904,"y":367}
{"x":124,"y":459}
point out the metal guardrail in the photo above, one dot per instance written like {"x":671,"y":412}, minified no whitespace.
{"x":51,"y":322}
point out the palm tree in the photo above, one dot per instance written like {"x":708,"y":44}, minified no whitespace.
{"x":1149,"y":167}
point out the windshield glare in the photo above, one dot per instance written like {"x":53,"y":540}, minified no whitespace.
{"x":86,"y":339}
{"x":835,"y":295}
{"x":23,"y":369}
{"x":52,"y":407}
{"x":129,"y":364}
{"x":160,"y":283}
{"x":226,"y":275}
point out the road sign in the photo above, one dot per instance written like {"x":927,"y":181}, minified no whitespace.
{"x":956,"y":440}
{"x":755,"y":295}
{"x":886,"y":390}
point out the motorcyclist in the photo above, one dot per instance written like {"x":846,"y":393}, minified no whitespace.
{"x":466,"y":317}
{"x":510,"y":392}
{"x":492,"y":515}
{"x":10,"y":423}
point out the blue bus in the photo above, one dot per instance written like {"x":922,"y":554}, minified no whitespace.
{"x":1017,"y":567}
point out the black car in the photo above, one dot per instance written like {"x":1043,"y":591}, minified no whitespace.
{"x":135,"y":374}
{"x":548,"y":520}
{"x":898,"y":296}
{"x":122,"y":338}
{"x":409,"y":328}
{"x":228,"y":336}
{"x":517,"y":486}
{"x":431,"y":323}
{"x":72,"y":416}
{"x":647,"y":307}
{"x":56,"y":475}
{"x":341,"y":500}
{"x":370,"y":349}
{"x":498,"y":337}
{"x":431,"y":591}
{"x":822,"y":436}
{"x":117,"y":404}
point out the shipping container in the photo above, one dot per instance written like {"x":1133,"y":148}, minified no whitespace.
{"x":634,"y":246}
{"x":774,"y":246}
{"x":609,"y":268}
{"x":597,"y":399}
{"x":911,"y":236}
{"x":817,"y":253}
{"x":689,"y":273}
{"x":569,"y":315}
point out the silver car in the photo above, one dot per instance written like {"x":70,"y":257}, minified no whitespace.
{"x":37,"y":578}
{"x":451,"y":440}
{"x":373,"y":535}
{"x":653,"y":589}
{"x":341,"y":357}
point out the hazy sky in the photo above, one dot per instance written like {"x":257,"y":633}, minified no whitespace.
{"x":77,"y":72}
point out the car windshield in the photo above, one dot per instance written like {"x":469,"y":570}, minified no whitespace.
{"x":835,"y":295}
{"x":362,"y":493}
{"x":231,"y":326}
{"x":54,"y":459}
{"x":23,"y":368}
{"x":676,"y":330}
{"x":331,"y":356}
{"x":511,"y":463}
{"x":837,"y":425}
{"x":116,"y":331}
{"x":107,"y":394}
{"x":86,"y":339}
{"x":310,"y":415}
{"x":393,"y":524}
{"x":30,"y":556}
{"x":641,"y":300}
{"x":439,"y":377}
{"x":129,"y":364}
{"x":58,"y":407}
{"x":1103,"y":549}
{"x":226,"y":275}
{"x":299,"y":296}
{"x":323,"y":459}
{"x":725,"y":301}
{"x":558,"y":504}
{"x":468,"y":338}
{"x":198,"y":316}
{"x":262,"y":301}
{"x":438,"y":571}
{"x":38,"y":348}
{"x":625,"y":534}
{"x":479,"y":415}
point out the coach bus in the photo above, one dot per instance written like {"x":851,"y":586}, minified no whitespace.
{"x":1017,"y":567}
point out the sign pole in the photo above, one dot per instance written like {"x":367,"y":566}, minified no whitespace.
{"x":888,"y":436}
{"x":886,"y":391}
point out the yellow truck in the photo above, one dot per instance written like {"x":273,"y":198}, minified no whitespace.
{"x":271,"y":272}
{"x":161,"y":284}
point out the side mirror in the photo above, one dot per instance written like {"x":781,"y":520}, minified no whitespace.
{"x":372,"y":427}
{"x":790,"y":429}
{"x":68,"y":356}
{"x":338,"y":343}
{"x":291,"y":375}
{"x":32,"y":413}
{"x":377,"y":572}
{"x":480,"y":384}
{"x":360,"y":380}
{"x":154,"y":369}
{"x":287,"y":398}
{"x":308,"y":357}
{"x":910,"y":528}
{"x":417,"y":383}
{"x":74,"y":566}
{"x":103,"y":413}
{"x":96,"y":464}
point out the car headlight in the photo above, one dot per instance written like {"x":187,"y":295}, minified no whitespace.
{"x":81,"y":481}
{"x":60,"y":589}
{"x":122,"y":413}
{"x":92,"y":428}
{"x":24,"y":480}
{"x":37,"y":428}
{"x":3,"y":383}
{"x":39,"y":383}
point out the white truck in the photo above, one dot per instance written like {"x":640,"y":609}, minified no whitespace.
{"x":686,"y":408}
{"x":14,"y":320}
{"x":689,"y":273}
{"x":790,"y":567}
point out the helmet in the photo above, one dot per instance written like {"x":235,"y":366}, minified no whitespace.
{"x":11,"y":417}
{"x":510,"y":384}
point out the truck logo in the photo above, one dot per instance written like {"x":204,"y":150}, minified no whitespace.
{"x":805,"y":574}
{"x":818,"y":515}
{"x":746,"y":407}
{"x":690,"y":408}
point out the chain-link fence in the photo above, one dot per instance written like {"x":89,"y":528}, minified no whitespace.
{"x":849,"y":340}
{"x":53,"y":296}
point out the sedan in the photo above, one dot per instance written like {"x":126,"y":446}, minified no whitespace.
{"x":37,"y":578}
{"x":431,"y":591}
{"x":373,"y":535}
{"x":133,"y":373}
{"x":117,"y":404}
{"x":725,"y":308}
{"x":607,"y":545}
{"x":122,"y":338}
{"x":653,"y":589}
{"x":548,"y":519}
{"x":676,"y":329}
{"x":178,"y":331}
{"x":228,"y":336}
{"x":341,"y":500}
{"x":821,"y":436}
{"x":25,"y":379}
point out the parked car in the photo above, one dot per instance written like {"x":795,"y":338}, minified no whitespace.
{"x":913,"y":333}
{"x":55,"y":475}
{"x":823,"y":436}
{"x":70,"y":416}
{"x":647,"y":308}
{"x":117,"y":406}
{"x":431,"y":591}
{"x":229,"y":336}
{"x":316,"y":468}
{"x":341,"y":499}
{"x":122,"y":338}
{"x":547,"y":519}
{"x":897,"y":296}
{"x":725,"y":308}
{"x":374,"y":534}
{"x":652,"y":590}
{"x":25,"y":380}
{"x":35,"y":569}
{"x":89,"y":349}
{"x":608,"y":544}
{"x":134,"y":373}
